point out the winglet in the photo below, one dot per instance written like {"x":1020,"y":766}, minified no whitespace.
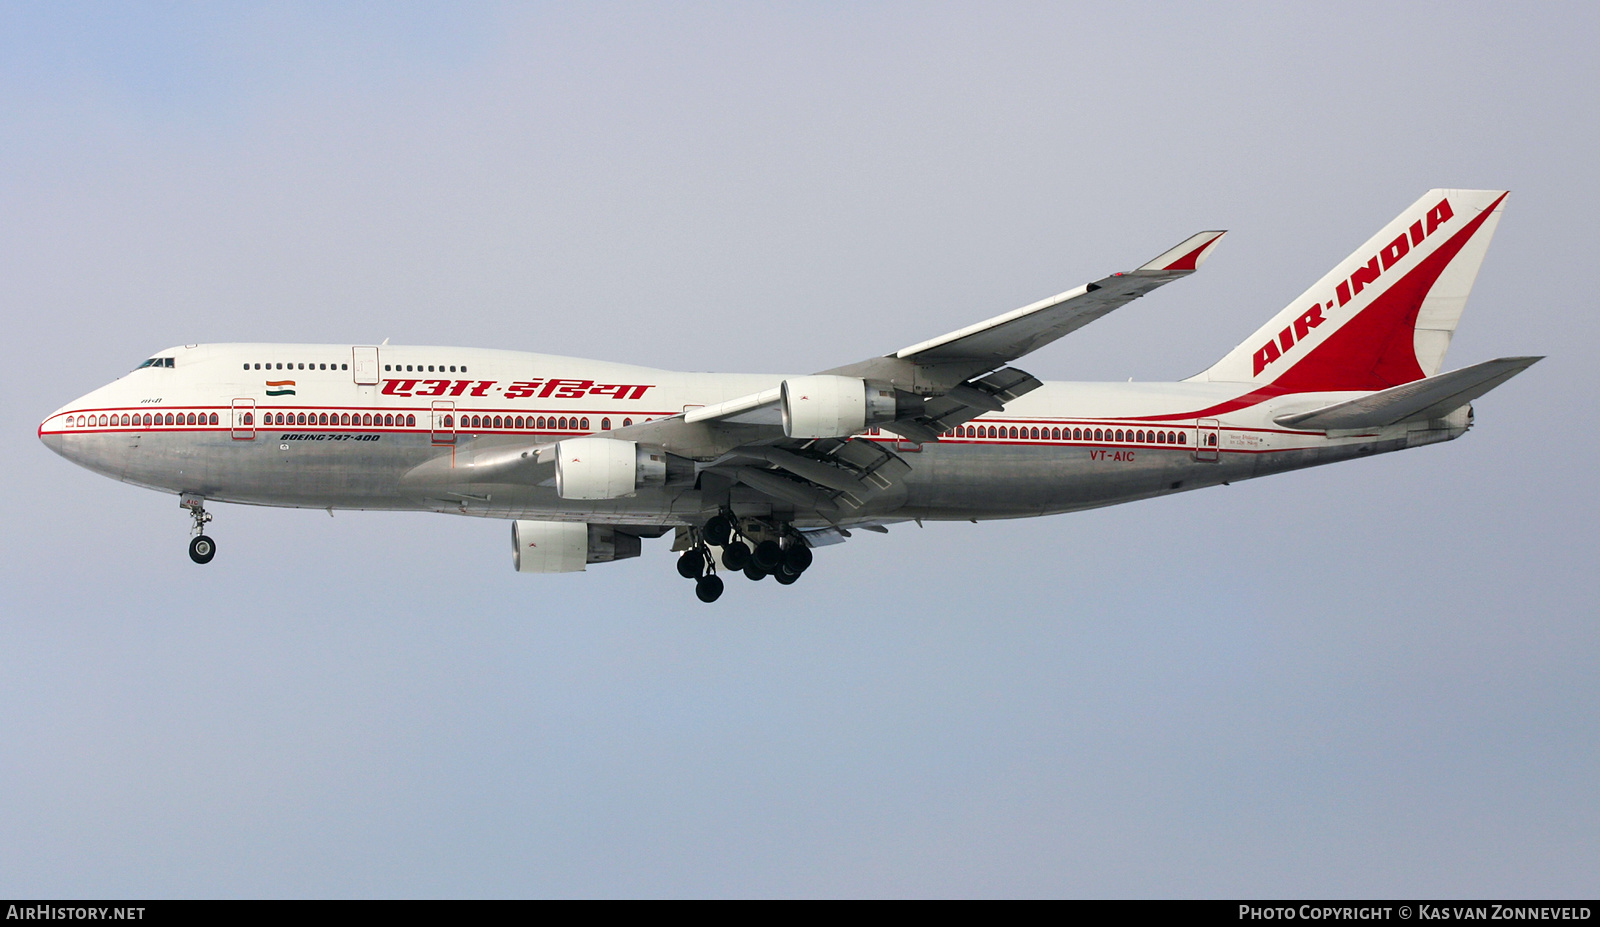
{"x":1188,"y":256}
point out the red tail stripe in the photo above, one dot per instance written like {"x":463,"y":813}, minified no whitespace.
{"x":1372,"y":351}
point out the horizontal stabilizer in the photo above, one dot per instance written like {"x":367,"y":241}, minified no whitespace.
{"x":1434,"y":397}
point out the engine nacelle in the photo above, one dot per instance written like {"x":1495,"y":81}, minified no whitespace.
{"x":826,"y":406}
{"x":567,"y":547}
{"x":606,"y":468}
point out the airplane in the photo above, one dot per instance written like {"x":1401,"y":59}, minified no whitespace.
{"x":751,"y":473}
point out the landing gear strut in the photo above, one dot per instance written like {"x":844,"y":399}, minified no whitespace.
{"x":755,"y":548}
{"x":201,"y":548}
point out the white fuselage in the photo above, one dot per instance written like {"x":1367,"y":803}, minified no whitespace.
{"x":290,"y":425}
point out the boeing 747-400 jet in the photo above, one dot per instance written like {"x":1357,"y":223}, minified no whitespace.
{"x":751,"y":472}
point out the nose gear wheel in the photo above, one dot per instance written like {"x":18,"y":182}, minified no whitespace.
{"x":201,"y":547}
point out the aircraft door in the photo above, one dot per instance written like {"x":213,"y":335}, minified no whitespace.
{"x":444,"y":421}
{"x":1207,"y":439}
{"x":244,"y":420}
{"x":364,"y":365}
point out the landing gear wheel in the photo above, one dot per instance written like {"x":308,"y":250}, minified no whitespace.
{"x":202,"y":549}
{"x":708,"y":588}
{"x":754,"y":572}
{"x":736,"y":555}
{"x":717,"y":531}
{"x":692,"y":565}
{"x":797,"y":557}
{"x":785,"y":577}
{"x":768,"y":556}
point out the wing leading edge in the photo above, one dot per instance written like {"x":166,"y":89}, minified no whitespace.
{"x":940,"y":364}
{"x":953,"y":365}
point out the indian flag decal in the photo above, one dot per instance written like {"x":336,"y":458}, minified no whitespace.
{"x":280,"y":387}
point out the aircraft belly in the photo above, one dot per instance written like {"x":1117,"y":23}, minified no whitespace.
{"x":288,"y":469}
{"x":947,"y":481}
{"x":104,"y":453}
{"x":951,"y":480}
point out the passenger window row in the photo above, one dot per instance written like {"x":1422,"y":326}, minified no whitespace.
{"x":360,"y":419}
{"x":537,"y":423}
{"x":363,"y":419}
{"x":128,"y":421}
{"x":407,"y":368}
{"x":299,"y":367}
{"x":1119,"y":435}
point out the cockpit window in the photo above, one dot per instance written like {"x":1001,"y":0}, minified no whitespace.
{"x":155,"y":362}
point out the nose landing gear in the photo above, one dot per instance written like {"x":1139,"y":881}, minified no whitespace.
{"x":201,"y":547}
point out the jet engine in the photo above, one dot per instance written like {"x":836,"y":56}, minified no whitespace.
{"x":567,"y":547}
{"x":826,"y":406}
{"x":606,"y":468}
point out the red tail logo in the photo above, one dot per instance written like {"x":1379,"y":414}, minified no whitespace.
{"x":1349,"y":289}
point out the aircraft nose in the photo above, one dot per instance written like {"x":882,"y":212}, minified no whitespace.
{"x":57,"y":425}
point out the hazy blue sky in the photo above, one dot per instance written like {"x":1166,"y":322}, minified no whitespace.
{"x":1373,"y":679}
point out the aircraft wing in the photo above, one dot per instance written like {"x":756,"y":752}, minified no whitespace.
{"x":934,"y":386}
{"x":955,"y":357}
{"x":963,"y":374}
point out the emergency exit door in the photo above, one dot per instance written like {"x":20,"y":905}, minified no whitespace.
{"x":1207,"y":440}
{"x":244,"y":419}
{"x":364,"y":365}
{"x":444,"y":421}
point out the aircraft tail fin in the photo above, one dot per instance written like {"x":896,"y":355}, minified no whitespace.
{"x":1433,"y":397}
{"x":1384,"y":315}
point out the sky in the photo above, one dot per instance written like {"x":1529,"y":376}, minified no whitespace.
{"x":1375,"y":679}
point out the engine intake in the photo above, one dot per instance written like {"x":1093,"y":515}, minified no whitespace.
{"x":825,"y":406}
{"x":606,"y":468}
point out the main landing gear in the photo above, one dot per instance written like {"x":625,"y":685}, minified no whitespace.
{"x":754,"y":548}
{"x":201,"y":548}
